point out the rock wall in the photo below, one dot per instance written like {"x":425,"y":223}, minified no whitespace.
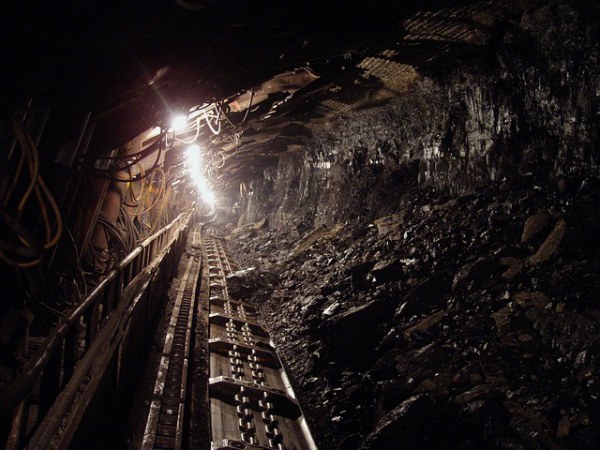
{"x":468,"y":316}
{"x":529,"y":102}
{"x":461,"y":324}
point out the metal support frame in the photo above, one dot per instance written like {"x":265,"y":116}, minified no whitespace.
{"x":58,"y":363}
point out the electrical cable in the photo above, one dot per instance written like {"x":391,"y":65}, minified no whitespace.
{"x":157,"y":198}
{"x":136,"y":158}
{"x":133,"y":162}
{"x":37,"y":186}
{"x":32,"y":162}
{"x":112,"y":233}
{"x":245,"y":115}
{"x":131,"y":191}
{"x":33,"y":165}
{"x":15,"y":179}
{"x":159,"y":216}
{"x":190,"y":141}
{"x":44,"y":212}
{"x":125,"y":223}
{"x":32,"y":246}
{"x":78,"y":268}
{"x":131,"y":155}
{"x":131,"y":179}
{"x":123,"y":156}
{"x":217,"y":130}
{"x":222,"y":163}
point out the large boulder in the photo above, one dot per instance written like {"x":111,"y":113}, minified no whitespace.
{"x":353,"y":335}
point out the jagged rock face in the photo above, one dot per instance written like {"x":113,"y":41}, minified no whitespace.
{"x":528,"y":102}
{"x":443,"y":329}
{"x":458,"y":306}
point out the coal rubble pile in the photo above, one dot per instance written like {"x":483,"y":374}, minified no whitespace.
{"x":454,"y":323}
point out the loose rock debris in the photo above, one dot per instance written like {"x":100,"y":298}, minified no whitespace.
{"x":464,"y":323}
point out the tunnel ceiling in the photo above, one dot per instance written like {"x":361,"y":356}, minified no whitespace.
{"x":279,"y":69}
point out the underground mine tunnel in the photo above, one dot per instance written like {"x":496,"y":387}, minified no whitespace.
{"x":343,"y":225}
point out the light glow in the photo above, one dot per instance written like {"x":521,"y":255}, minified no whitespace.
{"x":178,"y":123}
{"x":193,"y":157}
{"x":193,"y":162}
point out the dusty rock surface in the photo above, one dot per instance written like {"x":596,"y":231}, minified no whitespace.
{"x":464,"y":322}
{"x":430,"y":268}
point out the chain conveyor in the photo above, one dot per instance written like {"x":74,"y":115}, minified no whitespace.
{"x":252,"y":403}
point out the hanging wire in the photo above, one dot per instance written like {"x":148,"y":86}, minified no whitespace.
{"x":158,"y":195}
{"x":45,"y":201}
{"x":216,"y":130}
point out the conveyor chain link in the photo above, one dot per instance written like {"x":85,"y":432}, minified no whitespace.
{"x":247,"y":382}
{"x":258,"y":374}
{"x":245,"y":417}
{"x":271,"y":424}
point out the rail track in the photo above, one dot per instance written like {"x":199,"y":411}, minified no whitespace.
{"x":252,"y":404}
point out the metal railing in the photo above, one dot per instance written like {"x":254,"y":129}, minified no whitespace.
{"x":54,"y":364}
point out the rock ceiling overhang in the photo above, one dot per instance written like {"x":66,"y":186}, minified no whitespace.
{"x":277,"y":69}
